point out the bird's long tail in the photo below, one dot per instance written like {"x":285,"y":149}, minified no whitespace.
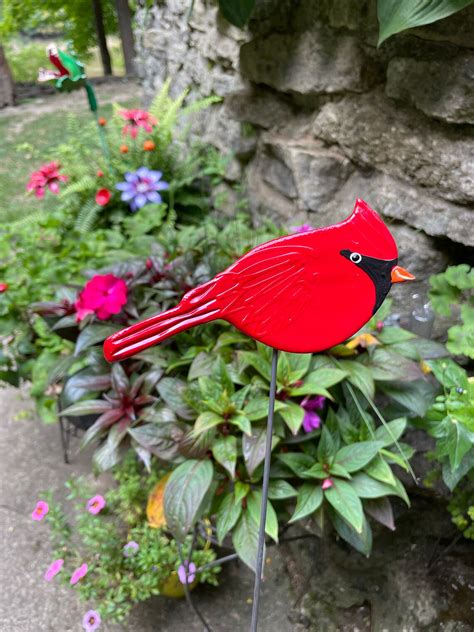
{"x":189,"y":312}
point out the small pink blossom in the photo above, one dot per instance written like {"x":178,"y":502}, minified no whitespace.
{"x":103,"y":295}
{"x":47,"y":176}
{"x":91,"y":621}
{"x":130,"y":549}
{"x":95,"y":504}
{"x":136,"y":119}
{"x":78,"y":574}
{"x":53,"y":570}
{"x":40,"y":510}
{"x":304,"y":228}
{"x":327,"y":483}
{"x":187,"y":573}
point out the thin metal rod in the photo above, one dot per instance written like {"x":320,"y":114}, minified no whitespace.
{"x":266,"y":480}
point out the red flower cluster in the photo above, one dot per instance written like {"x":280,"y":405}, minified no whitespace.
{"x":47,"y":176}
{"x":136,"y":119}
{"x":103,"y":295}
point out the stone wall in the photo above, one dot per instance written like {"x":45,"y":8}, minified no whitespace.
{"x":316,"y":115}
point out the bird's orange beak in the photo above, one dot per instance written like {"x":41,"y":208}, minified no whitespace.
{"x":399,"y":275}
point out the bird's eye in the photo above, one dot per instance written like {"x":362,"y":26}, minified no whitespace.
{"x":355,"y":257}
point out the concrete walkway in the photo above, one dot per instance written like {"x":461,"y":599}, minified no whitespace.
{"x":31,"y":461}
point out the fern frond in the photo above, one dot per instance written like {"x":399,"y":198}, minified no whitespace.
{"x":87,"y":215}
{"x":29,"y":220}
{"x":161,"y":100}
{"x":83,"y":184}
{"x":200,"y":104}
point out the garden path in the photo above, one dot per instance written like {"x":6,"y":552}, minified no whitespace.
{"x":31,"y":461}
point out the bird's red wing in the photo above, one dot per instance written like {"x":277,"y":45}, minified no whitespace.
{"x":267,"y":286}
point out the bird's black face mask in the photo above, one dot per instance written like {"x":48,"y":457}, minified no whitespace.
{"x":379,"y":271}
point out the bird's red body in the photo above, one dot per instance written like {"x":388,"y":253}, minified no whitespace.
{"x":300,"y":293}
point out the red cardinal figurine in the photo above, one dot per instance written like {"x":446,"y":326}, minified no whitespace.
{"x":301,"y":293}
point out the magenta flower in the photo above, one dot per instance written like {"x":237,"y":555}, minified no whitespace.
{"x":136,"y":119}
{"x":91,"y":621}
{"x":40,"y":510}
{"x":304,"y":228}
{"x":53,"y":570}
{"x":47,"y":176}
{"x":311,"y":420}
{"x":78,"y":574}
{"x":130,"y":549}
{"x":95,"y":504}
{"x":103,"y":295}
{"x":327,"y":483}
{"x":187,"y":573}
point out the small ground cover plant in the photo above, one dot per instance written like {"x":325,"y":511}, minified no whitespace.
{"x":105,"y":548}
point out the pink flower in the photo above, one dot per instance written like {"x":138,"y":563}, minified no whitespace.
{"x":311,"y":420}
{"x":53,"y":570}
{"x":103,"y":295}
{"x":130,"y":549}
{"x":78,"y":574}
{"x":91,"y":621}
{"x":304,"y":228}
{"x":136,"y":119}
{"x":102,"y":197}
{"x":95,"y":504}
{"x":3,"y":287}
{"x":47,"y":176}
{"x":40,"y":510}
{"x":327,"y":483}
{"x":187,"y":573}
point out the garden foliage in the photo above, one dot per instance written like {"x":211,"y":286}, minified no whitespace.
{"x":133,"y":229}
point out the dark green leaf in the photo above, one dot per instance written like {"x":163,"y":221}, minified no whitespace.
{"x":346,"y":502}
{"x":390,"y":432}
{"x":205,"y":421}
{"x":293,"y":415}
{"x":253,"y":448}
{"x":237,"y":12}
{"x":367,"y":487}
{"x":310,"y":497}
{"x":297,"y":462}
{"x":91,"y":335}
{"x":254,"y":503}
{"x":280,"y":489}
{"x":257,"y":408}
{"x":354,"y":457}
{"x":380,"y":509}
{"x":361,"y":541}
{"x":89,"y":407}
{"x":224,"y":451}
{"x":185,"y":492}
{"x":171,"y":390}
{"x":379,"y":468}
{"x":242,"y":422}
{"x":398,"y":15}
{"x":227,"y":516}
{"x":245,"y":540}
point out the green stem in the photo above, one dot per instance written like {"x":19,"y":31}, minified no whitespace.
{"x":93,"y":105}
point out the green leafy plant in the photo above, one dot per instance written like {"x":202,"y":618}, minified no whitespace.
{"x":452,"y":290}
{"x":121,"y":575}
{"x":398,"y":15}
{"x":450,"y":420}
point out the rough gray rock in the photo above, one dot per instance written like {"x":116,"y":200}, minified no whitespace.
{"x":314,"y":62}
{"x":262,"y":109}
{"x":413,"y":205}
{"x":402,"y":143}
{"x":440,"y":88}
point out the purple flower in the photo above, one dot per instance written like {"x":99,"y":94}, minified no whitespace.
{"x":130,"y":548}
{"x":53,"y":570}
{"x":78,"y":574}
{"x":304,"y":228}
{"x":40,"y":510}
{"x":187,"y":573}
{"x":142,"y":187}
{"x":311,"y":420}
{"x":95,"y":504}
{"x":91,"y":621}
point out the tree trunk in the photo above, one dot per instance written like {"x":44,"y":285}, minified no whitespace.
{"x":126,"y":34}
{"x":101,"y":39}
{"x":7,"y":92}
